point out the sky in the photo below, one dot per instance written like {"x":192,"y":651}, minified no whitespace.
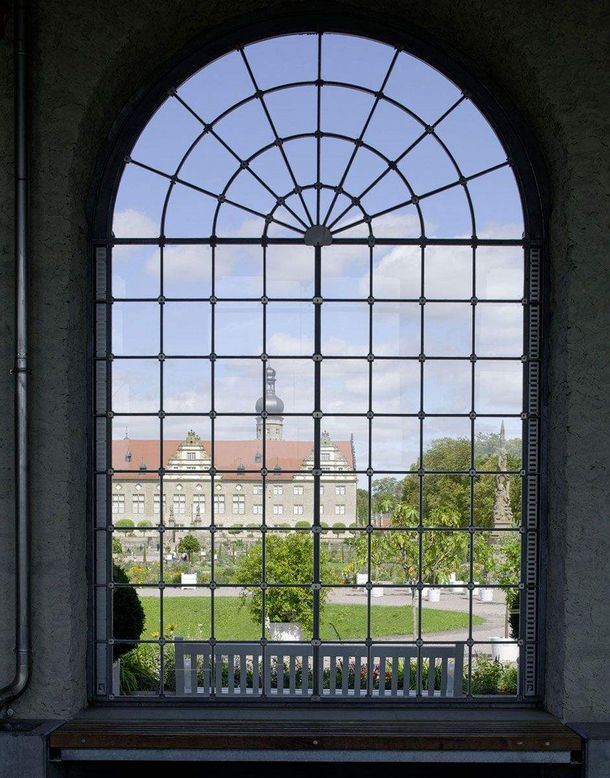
{"x":397,"y":270}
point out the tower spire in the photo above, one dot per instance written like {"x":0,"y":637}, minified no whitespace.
{"x":272,"y":407}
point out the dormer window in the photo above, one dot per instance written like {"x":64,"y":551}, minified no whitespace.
{"x":191,"y":455}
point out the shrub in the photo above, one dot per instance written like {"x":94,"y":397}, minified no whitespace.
{"x":117,"y":547}
{"x":127,"y":614}
{"x":490,"y":676}
{"x":302,"y":524}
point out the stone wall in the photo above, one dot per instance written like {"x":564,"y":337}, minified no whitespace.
{"x":88,"y":60}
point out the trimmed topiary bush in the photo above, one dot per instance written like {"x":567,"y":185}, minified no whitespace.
{"x":127,"y":614}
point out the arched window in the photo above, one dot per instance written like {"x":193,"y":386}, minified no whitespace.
{"x":316,"y":359}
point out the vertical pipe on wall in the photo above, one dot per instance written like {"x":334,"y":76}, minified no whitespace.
{"x":23,"y":648}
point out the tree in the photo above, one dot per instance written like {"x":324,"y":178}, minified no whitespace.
{"x":188,"y":545}
{"x":362,"y":506}
{"x":395,"y":552}
{"x":127,"y":613}
{"x":117,"y":547}
{"x":450,"y":491}
{"x":388,"y":488}
{"x":288,"y":560}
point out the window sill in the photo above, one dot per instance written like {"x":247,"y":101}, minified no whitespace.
{"x":414,"y":736}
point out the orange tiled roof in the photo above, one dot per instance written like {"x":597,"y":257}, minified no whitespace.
{"x":228,"y":455}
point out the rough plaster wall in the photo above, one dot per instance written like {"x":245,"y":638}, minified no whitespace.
{"x":89,"y":58}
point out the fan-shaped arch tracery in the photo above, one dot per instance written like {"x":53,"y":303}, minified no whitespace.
{"x":292,"y":210}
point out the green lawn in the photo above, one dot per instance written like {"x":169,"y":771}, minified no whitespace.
{"x":232,"y":620}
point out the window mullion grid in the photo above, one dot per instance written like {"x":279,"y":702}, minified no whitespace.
{"x":421,"y":470}
{"x":264,"y":533}
{"x":357,"y":144}
{"x":213,"y":527}
{"x":369,"y":640}
{"x":395,"y":161}
{"x":528,"y":587}
{"x":161,"y":475}
{"x":316,"y":468}
{"x":318,"y":128}
{"x":472,"y":470}
{"x":109,"y":557}
{"x":260,"y":96}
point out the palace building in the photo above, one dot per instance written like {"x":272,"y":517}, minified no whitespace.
{"x":236,"y":494}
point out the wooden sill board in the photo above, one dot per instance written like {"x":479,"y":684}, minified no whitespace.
{"x":320,"y":735}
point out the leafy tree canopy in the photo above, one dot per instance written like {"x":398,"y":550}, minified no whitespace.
{"x":451,"y":491}
{"x":288,"y":560}
{"x":384,"y":491}
{"x":188,"y":545}
{"x":362,"y":506}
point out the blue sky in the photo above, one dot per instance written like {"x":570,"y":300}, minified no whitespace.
{"x":448,"y":270}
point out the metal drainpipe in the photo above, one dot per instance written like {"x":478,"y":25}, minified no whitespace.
{"x":23,"y":648}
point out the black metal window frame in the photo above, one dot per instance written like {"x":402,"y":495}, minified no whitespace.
{"x":526,"y":167}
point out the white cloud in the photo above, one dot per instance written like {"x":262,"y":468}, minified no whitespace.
{"x":132,"y":223}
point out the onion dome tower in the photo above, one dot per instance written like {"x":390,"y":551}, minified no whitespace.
{"x":273,"y":408}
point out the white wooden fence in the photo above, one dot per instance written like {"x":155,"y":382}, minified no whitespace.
{"x":287,"y":670}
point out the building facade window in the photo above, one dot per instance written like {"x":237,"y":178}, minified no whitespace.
{"x":179,"y":504}
{"x":409,"y":360}
{"x":157,"y":502}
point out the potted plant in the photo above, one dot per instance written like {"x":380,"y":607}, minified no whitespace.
{"x":287,"y":610}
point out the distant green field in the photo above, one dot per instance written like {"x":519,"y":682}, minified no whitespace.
{"x":232,"y":620}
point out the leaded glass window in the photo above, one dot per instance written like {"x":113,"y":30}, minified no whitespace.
{"x":319,"y":271}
